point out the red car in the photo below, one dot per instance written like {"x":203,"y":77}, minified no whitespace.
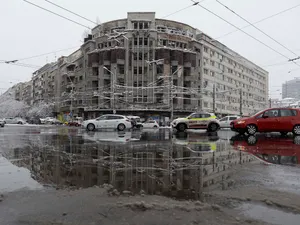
{"x":281,"y":120}
{"x":275,"y":150}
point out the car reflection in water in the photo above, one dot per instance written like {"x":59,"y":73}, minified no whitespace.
{"x":274,"y":150}
{"x":157,"y":162}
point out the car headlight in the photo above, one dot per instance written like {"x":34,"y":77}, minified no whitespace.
{"x":241,"y":122}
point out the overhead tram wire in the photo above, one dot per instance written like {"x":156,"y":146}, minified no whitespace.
{"x":261,"y":20}
{"x":73,"y":21}
{"x":22,"y":65}
{"x":180,"y":9}
{"x":76,"y":14}
{"x":220,"y":17}
{"x":36,"y":56}
{"x":251,"y":24}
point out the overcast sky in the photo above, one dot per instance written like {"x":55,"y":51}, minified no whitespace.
{"x":28,"y":31}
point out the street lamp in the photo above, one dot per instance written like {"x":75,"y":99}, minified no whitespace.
{"x":113,"y":88}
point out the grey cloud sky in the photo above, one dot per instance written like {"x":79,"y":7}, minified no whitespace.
{"x":28,"y":31}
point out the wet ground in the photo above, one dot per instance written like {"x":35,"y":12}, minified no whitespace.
{"x":234,"y":178}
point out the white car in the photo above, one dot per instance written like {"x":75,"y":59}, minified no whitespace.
{"x":150,"y":124}
{"x":113,"y":121}
{"x":11,"y":120}
{"x":225,"y":121}
{"x":47,"y":120}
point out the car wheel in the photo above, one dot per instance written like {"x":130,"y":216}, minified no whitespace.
{"x":20,"y":122}
{"x":181,"y":127}
{"x":251,"y":140}
{"x":283,"y":133}
{"x":296,"y":130}
{"x":251,"y":129}
{"x":155,"y":126}
{"x":213,"y":127}
{"x":90,"y":127}
{"x":296,"y":140}
{"x":121,"y":127}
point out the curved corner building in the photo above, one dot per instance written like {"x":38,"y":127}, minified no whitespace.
{"x":143,"y":65}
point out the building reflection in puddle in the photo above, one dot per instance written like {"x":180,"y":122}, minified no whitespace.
{"x":157,"y":162}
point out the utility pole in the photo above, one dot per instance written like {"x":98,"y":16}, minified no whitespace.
{"x":214,"y":98}
{"x":241,"y":102}
{"x":270,"y":103}
{"x":112,"y":88}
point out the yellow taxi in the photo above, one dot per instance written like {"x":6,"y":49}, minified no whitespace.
{"x":201,"y":120}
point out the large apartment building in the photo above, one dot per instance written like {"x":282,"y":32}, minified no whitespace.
{"x":291,"y":89}
{"x":141,"y":64}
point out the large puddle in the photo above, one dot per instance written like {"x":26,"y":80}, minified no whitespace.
{"x":269,"y":215}
{"x":159,"y":162}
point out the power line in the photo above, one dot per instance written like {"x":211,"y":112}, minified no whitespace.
{"x":76,"y":14}
{"x":36,"y":56}
{"x":73,"y":21}
{"x":251,"y":24}
{"x":180,"y":9}
{"x":243,"y":31}
{"x":266,"y":18}
{"x":22,"y":65}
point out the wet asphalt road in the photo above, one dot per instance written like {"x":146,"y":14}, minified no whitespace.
{"x":157,"y":161}
{"x":33,"y":156}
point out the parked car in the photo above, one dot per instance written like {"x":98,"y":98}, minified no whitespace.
{"x":114,"y":121}
{"x":46,"y":120}
{"x":199,"y":120}
{"x":136,"y":121}
{"x":281,"y":120}
{"x":225,"y":121}
{"x":150,"y":124}
{"x":2,"y":123}
{"x":12,"y":120}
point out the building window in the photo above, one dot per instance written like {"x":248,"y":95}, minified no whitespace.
{"x":206,"y":49}
{"x":205,"y":71}
{"x":135,"y":70}
{"x":140,"y":70}
{"x":141,"y":25}
{"x":135,"y":25}
{"x":121,"y":69}
{"x":146,"y":25}
{"x":135,"y":41}
{"x":212,"y":63}
{"x":212,"y":73}
{"x":145,"y":41}
{"x":140,"y":41}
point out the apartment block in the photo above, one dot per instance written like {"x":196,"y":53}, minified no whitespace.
{"x":291,"y":89}
{"x":23,"y":92}
{"x":189,"y":65}
{"x":148,"y":66}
